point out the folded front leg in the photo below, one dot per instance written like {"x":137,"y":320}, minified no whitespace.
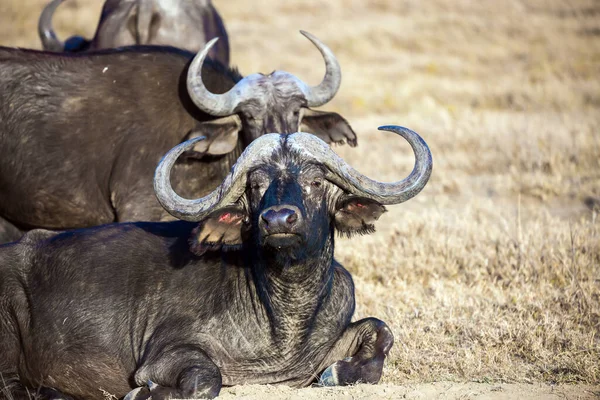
{"x":177,"y":372}
{"x":360,"y":353}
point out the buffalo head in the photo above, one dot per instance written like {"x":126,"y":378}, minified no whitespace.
{"x":287,"y":194}
{"x":277,"y":102}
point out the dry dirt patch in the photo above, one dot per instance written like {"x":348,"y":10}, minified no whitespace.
{"x":437,"y":390}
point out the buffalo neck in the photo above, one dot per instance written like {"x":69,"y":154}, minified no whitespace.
{"x":221,"y":165}
{"x":196,"y":178}
{"x":292,"y":291}
{"x":232,"y":157}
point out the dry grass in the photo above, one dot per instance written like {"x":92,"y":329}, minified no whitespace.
{"x":493,"y":272}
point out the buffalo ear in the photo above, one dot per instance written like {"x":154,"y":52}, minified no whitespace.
{"x":357,"y":215}
{"x":221,"y":137}
{"x":328,"y":126}
{"x":221,"y":230}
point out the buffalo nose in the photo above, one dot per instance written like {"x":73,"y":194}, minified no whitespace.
{"x":281,"y":219}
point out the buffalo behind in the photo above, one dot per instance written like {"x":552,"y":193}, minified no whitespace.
{"x":183,"y":24}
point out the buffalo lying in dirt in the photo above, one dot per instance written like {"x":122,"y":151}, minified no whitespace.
{"x":248,"y":292}
{"x":81,"y":135}
{"x":184,"y":24}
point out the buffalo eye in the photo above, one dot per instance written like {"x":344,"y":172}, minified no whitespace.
{"x":316,"y":183}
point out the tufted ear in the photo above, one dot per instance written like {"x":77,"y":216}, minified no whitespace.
{"x":221,"y":230}
{"x":327,"y":126}
{"x":221,"y":137}
{"x":357,"y":215}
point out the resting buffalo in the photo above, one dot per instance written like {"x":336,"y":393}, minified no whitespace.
{"x":80,"y":135}
{"x":179,"y":23}
{"x":249,"y":292}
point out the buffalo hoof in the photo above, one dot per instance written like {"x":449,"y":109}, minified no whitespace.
{"x":139,"y":393}
{"x":352,"y":370}
{"x":329,"y":377}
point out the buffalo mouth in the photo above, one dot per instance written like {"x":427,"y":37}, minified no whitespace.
{"x":280,"y":240}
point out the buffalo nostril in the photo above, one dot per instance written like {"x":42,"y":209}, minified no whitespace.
{"x":268,"y":216}
{"x":293,"y":217}
{"x":281,"y":219}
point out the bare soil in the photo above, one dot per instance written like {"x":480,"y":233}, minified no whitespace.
{"x":436,"y":390}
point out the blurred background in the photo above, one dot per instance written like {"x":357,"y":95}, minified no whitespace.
{"x":492,"y":273}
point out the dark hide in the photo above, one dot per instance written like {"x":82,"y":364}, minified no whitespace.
{"x":124,"y":305}
{"x":81,"y":134}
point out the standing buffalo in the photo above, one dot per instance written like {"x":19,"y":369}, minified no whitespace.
{"x":81,"y":134}
{"x":247,"y":293}
{"x":186,"y":24}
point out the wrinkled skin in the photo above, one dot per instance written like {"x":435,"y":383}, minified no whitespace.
{"x":82,"y":134}
{"x":183,"y":24}
{"x":247,"y":295}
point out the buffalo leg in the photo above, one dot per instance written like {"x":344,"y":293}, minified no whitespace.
{"x":360,"y":353}
{"x":132,"y":192}
{"x":179,"y":372}
{"x":142,"y":208}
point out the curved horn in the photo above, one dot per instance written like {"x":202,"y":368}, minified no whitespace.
{"x":47,"y":35}
{"x":324,"y":92}
{"x":214,"y":104}
{"x":228,"y":192}
{"x":261,"y":150}
{"x":358,"y":184}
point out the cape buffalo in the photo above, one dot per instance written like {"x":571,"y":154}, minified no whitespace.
{"x":180,"y":23}
{"x":247,"y":293}
{"x":81,"y":134}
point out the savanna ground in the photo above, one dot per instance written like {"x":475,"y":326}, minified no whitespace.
{"x":490,"y":278}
